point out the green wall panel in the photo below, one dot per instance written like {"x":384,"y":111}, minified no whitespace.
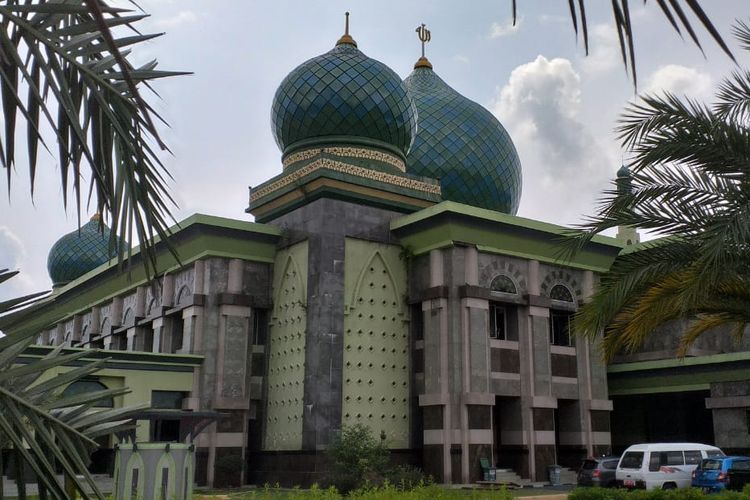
{"x":286,"y":345}
{"x":376,"y":360}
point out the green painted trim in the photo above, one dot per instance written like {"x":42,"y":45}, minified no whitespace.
{"x":125,"y":356}
{"x":109,"y":280}
{"x":677,"y":363}
{"x":542,"y":258}
{"x":450,"y":223}
{"x":494,"y":216}
{"x":659,"y":390}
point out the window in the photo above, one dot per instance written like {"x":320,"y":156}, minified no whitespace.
{"x":693,"y":457}
{"x":503,"y":284}
{"x":260,"y":326}
{"x":660,"y":459}
{"x":86,"y":386}
{"x":632,"y":460}
{"x":498,"y":322}
{"x":561,"y":293}
{"x":559,"y":328}
{"x":170,"y":400}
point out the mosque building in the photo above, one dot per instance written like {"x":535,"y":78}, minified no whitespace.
{"x":386,"y":281}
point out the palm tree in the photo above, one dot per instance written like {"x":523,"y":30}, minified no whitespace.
{"x":63,"y":69}
{"x":690,"y":185}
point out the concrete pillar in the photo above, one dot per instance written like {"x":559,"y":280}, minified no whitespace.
{"x":158,"y":326}
{"x":192,"y":330}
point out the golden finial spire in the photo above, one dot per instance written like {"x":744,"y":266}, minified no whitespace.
{"x":424,"y":36}
{"x":346,"y":38}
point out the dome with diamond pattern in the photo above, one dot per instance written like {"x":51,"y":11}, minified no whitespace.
{"x":463,"y":145}
{"x":79,"y":252}
{"x":343,"y":97}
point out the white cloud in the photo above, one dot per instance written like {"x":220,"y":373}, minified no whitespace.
{"x":604,"y":51}
{"x":182,"y":17}
{"x":679,"y":80}
{"x":506,"y":28}
{"x":461,"y":59}
{"x":540,"y":106}
{"x":12,"y":251}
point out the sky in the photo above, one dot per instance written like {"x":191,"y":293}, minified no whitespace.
{"x":559,"y":106}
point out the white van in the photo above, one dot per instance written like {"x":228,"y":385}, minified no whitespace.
{"x":662,"y":465}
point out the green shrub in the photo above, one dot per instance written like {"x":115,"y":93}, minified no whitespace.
{"x":358,"y":458}
{"x":407,"y":477}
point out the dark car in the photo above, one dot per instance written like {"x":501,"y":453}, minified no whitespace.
{"x":599,"y":471}
{"x":712,"y":474}
{"x":738,"y":475}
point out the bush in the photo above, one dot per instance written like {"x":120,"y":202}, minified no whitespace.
{"x":358,"y":458}
{"x":407,"y":477}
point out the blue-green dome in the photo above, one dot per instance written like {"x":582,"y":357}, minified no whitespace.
{"x":343,"y":96}
{"x":79,"y":252}
{"x":463,"y":145}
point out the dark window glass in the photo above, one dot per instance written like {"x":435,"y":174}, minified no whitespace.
{"x":164,"y":483}
{"x":693,"y":457}
{"x":711,"y":464}
{"x":674,"y":458}
{"x":610,"y":464}
{"x":260,"y":326}
{"x":503,"y":284}
{"x":86,"y":386}
{"x":171,"y":400}
{"x":589,"y":465}
{"x":632,"y":460}
{"x":559,"y":328}
{"x":561,"y":292}
{"x":715,"y":452}
{"x":741,"y":465}
{"x":498,"y":323}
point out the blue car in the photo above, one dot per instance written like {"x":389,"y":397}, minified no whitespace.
{"x":712,"y":474}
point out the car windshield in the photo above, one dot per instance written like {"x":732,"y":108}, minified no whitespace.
{"x":632,"y":460}
{"x":711,"y":464}
{"x":610,"y":464}
{"x":714,"y":453}
{"x":589,"y":465}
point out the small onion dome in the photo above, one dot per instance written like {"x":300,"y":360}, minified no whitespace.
{"x":463,"y":145}
{"x":79,"y":252}
{"x":343,"y":97}
{"x":624,"y":180}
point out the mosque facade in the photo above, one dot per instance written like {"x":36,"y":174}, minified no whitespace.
{"x":386,"y":281}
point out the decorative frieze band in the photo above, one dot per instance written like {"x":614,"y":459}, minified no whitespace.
{"x":368,"y":154}
{"x":366,"y":173}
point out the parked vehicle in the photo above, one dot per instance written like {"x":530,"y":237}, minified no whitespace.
{"x":599,"y":471}
{"x":662,"y":465}
{"x":712,"y":474}
{"x":738,"y":475}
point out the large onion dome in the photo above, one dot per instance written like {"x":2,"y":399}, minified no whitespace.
{"x":343,"y":97}
{"x":463,"y":145}
{"x":79,"y":252}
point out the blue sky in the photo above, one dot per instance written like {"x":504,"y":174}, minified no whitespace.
{"x":558,"y":106}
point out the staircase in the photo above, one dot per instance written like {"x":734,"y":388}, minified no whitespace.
{"x":507,"y":476}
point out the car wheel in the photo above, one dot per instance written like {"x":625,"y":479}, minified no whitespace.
{"x":669,"y":486}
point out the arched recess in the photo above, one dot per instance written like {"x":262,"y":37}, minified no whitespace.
{"x":286,"y":360}
{"x":561,"y":277}
{"x":164,"y":479}
{"x":87,"y":386}
{"x":135,"y":475}
{"x":182,"y":295}
{"x":375,"y":387}
{"x":502,"y":283}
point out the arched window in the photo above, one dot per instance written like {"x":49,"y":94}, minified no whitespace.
{"x":561,"y":293}
{"x":503,"y":284}
{"x":88,"y":386}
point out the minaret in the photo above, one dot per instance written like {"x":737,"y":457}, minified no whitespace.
{"x":627,"y":234}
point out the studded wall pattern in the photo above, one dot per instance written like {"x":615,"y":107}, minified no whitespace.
{"x":376,"y":363}
{"x":286,"y":345}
